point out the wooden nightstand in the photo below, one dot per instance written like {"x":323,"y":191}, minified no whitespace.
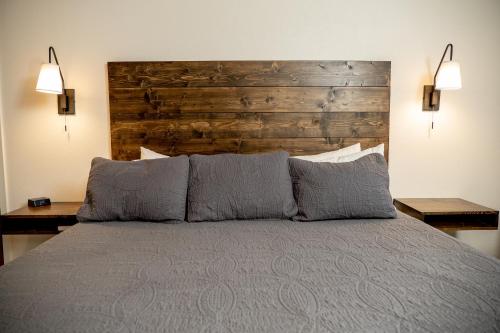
{"x":449,"y":213}
{"x":38,"y":220}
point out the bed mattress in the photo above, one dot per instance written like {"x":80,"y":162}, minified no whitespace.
{"x":396,"y":275}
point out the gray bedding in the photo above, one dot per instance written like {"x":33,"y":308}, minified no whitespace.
{"x":396,"y":275}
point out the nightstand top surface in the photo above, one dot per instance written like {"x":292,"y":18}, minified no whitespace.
{"x":444,"y":206}
{"x":56,"y":209}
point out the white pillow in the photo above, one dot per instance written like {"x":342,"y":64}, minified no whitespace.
{"x":148,"y":154}
{"x":331,"y":156}
{"x":352,"y":157}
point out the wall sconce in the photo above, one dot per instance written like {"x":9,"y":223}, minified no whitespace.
{"x":447,"y":77}
{"x":51,"y":81}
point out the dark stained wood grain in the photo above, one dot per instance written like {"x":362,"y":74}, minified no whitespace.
{"x":250,"y":99}
{"x":445,"y":206}
{"x":55,"y":210}
{"x":248,"y":73}
{"x":304,"y":107}
{"x":252,"y":125}
{"x":449,"y":213}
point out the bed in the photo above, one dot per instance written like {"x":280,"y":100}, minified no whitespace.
{"x":356,"y":275}
{"x":395,"y":275}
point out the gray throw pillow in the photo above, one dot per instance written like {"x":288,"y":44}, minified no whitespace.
{"x":150,"y":190}
{"x":357,"y":189}
{"x":235,"y":186}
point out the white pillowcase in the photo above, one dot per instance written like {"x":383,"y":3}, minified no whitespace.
{"x":352,"y":157}
{"x":148,"y":154}
{"x":331,"y":156}
{"x":346,"y":154}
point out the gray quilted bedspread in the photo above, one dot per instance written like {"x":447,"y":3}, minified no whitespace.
{"x":252,"y":276}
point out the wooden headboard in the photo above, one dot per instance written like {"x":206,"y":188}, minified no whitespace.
{"x":207,"y":107}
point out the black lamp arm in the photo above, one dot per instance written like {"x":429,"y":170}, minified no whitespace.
{"x":52,"y":51}
{"x":449,"y":46}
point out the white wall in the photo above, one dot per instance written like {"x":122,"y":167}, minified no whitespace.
{"x":459,"y":158}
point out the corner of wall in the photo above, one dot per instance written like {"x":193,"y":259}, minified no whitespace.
{"x":3,"y":201}
{"x":3,"y":193}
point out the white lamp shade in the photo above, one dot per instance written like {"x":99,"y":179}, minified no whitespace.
{"x":49,"y":79}
{"x":449,"y":77}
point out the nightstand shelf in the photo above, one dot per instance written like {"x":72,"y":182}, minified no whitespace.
{"x":38,"y":220}
{"x":466,"y":221}
{"x":449,"y":213}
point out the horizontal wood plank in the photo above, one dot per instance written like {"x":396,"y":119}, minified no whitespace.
{"x":249,"y":99}
{"x":248,"y":73}
{"x":295,"y":146}
{"x":254,"y":125}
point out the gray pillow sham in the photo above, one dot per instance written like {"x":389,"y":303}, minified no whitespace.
{"x":150,"y":190}
{"x":357,"y":189}
{"x":235,"y":186}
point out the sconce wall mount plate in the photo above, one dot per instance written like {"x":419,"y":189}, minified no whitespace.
{"x":66,"y":102}
{"x":430,"y":93}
